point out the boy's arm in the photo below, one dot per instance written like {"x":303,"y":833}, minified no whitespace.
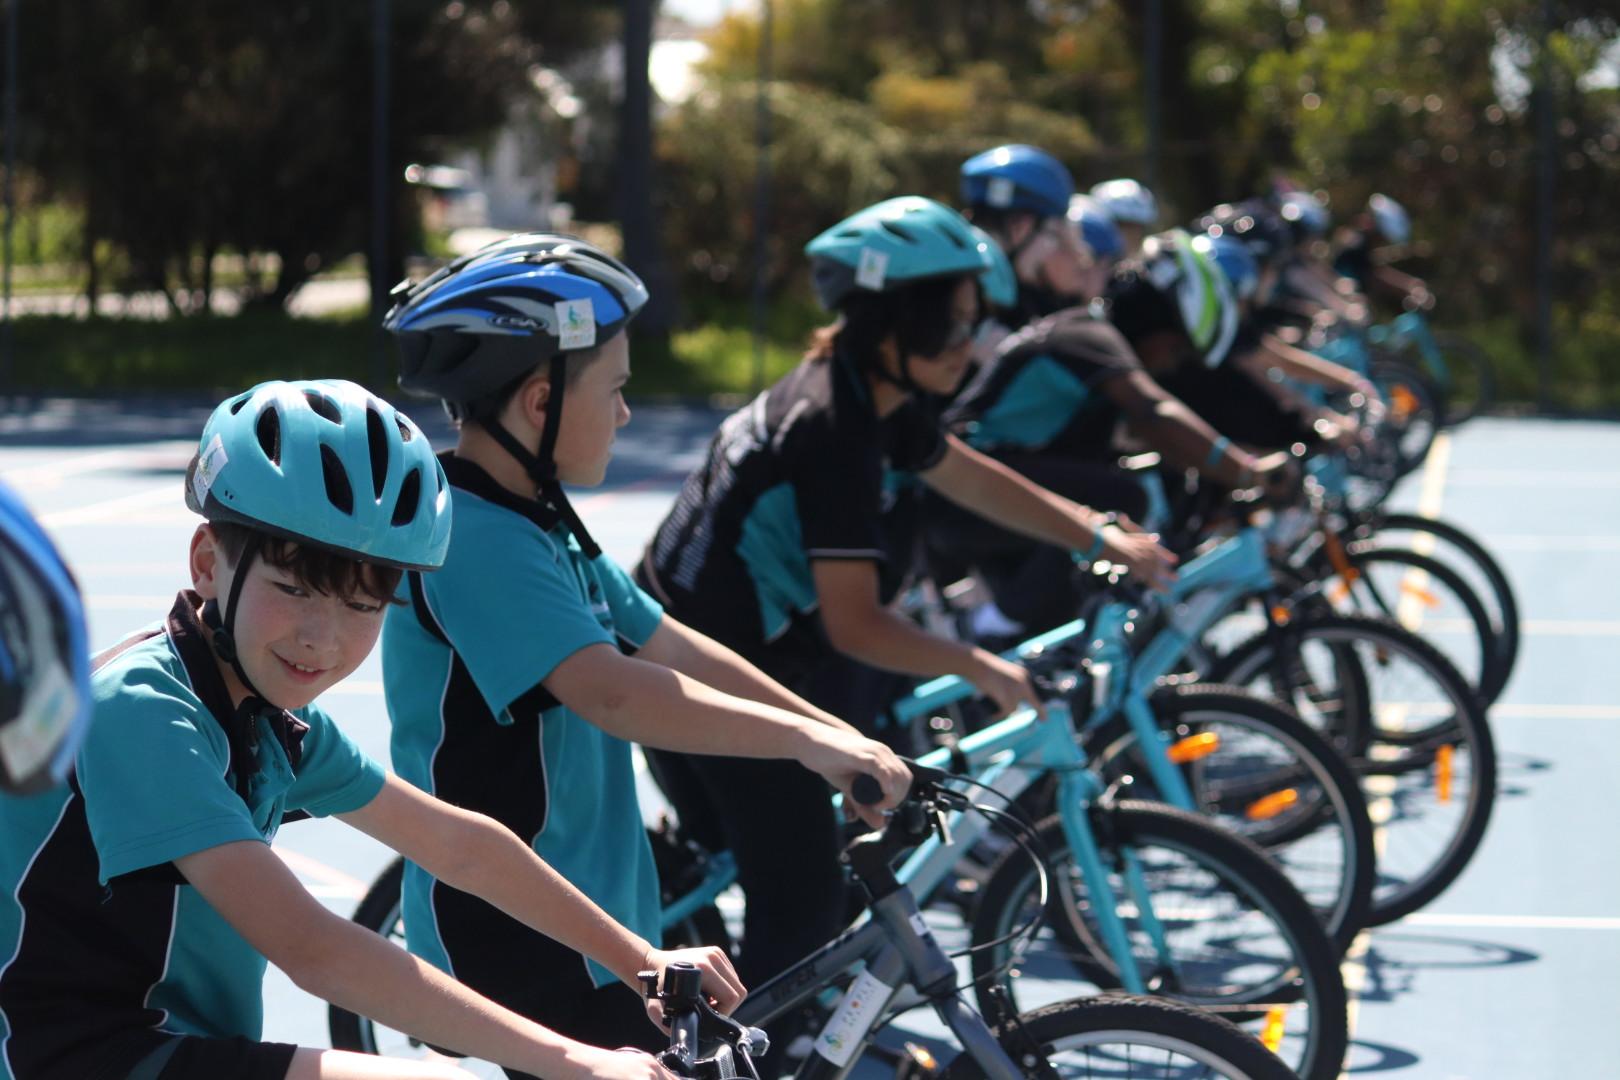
{"x":648,"y":703}
{"x":479,"y":855}
{"x":352,"y":967}
{"x":676,"y":645}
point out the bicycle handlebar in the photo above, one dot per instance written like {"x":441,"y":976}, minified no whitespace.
{"x":694,"y":1022}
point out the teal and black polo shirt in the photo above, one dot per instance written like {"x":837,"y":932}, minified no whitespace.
{"x":806,"y":471}
{"x":1041,"y":393}
{"x":464,"y":667}
{"x":108,"y":954}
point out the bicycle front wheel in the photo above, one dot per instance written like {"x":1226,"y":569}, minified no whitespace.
{"x":1127,"y":1038}
{"x":1431,"y":784}
{"x":1233,"y":935}
{"x":1260,"y":771}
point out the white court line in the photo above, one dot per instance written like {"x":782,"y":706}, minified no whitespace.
{"x":1525,"y":542}
{"x":109,"y":509}
{"x":1514,"y":711}
{"x":1513,"y":922}
{"x":333,"y":883}
{"x":53,"y":473}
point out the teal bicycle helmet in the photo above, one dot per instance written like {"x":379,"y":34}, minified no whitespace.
{"x":898,"y":242}
{"x":326,"y":463}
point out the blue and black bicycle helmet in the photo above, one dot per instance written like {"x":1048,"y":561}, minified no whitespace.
{"x":492,"y":317}
{"x":1234,"y":258}
{"x":44,"y":656}
{"x":1305,"y":214}
{"x":323,"y":463}
{"x":1097,"y":227}
{"x":1261,"y":228}
{"x":1016,"y":177}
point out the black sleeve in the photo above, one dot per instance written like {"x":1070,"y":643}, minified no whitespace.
{"x":836,"y":470}
{"x":915,"y":437}
{"x":1093,"y":350}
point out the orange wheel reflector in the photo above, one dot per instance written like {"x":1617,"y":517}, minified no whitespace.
{"x":1271,"y":1036}
{"x":1338,"y":592}
{"x":1271,"y":805}
{"x":1194,"y":747}
{"x":1280,"y":615}
{"x":1442,"y":773}
{"x":1424,"y":596}
{"x":1405,"y":401}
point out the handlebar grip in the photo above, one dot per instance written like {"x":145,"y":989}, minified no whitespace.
{"x":866,"y":790}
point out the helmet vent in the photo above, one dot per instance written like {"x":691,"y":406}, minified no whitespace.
{"x":405,"y":433}
{"x":323,"y":406}
{"x":338,"y":491}
{"x":268,"y":430}
{"x":377,"y":438}
{"x":410,"y":493}
{"x":893,"y":227}
{"x":236,"y":406}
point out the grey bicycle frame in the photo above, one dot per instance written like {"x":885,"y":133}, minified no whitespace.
{"x":897,"y":951}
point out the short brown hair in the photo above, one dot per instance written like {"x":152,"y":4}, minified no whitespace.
{"x":322,"y":570}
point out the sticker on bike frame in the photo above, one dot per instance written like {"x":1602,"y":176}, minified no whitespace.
{"x":856,"y":1014}
{"x":212,"y":460}
{"x":873,"y":269}
{"x":919,"y":924}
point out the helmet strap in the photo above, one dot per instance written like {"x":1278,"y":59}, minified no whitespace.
{"x":542,"y":466}
{"x":244,"y":730}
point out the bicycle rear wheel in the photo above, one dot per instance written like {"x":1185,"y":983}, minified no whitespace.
{"x":1241,"y":941}
{"x":1414,"y":409}
{"x":1431,"y":790}
{"x":1118,"y":1037}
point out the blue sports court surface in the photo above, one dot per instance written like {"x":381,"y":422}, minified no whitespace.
{"x":1513,"y":974}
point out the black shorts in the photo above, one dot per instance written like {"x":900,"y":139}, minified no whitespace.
{"x":194,"y":1057}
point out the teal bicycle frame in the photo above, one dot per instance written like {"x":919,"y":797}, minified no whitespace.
{"x":1014,"y":754}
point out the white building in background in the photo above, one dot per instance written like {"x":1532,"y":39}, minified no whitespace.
{"x":512,"y":184}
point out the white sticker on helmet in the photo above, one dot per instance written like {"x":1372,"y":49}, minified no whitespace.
{"x":28,"y":743}
{"x":208,"y":465}
{"x":576,"y":324}
{"x":1000,"y":191}
{"x":873,"y":268}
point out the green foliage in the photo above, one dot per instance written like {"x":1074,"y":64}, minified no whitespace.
{"x":127,"y":356}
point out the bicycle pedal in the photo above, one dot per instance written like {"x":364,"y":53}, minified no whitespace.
{"x":916,"y":1063}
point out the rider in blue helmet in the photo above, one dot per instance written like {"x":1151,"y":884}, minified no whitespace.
{"x":1020,"y":196}
{"x":44,"y":656}
{"x":558,"y":660}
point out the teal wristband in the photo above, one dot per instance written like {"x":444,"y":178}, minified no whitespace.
{"x":1217,"y":451}
{"x":1098,"y":542}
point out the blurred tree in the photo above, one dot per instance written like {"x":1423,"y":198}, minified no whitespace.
{"x":184,"y":129}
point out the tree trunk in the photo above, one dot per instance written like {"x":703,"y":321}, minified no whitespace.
{"x":638,"y":216}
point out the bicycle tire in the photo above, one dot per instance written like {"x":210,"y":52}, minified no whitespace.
{"x":1414,"y":411}
{"x":1498,"y":590}
{"x":1401,"y":889}
{"x":1475,"y":657}
{"x":1109,"y":1021}
{"x":1296,"y":985}
{"x":1276,"y":781}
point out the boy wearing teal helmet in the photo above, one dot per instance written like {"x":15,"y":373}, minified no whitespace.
{"x":143,"y":901}
{"x":519,"y":674}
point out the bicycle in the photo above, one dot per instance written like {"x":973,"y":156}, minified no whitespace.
{"x":1456,"y":366}
{"x":892,"y":962}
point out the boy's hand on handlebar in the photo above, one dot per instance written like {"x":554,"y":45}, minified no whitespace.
{"x":720,"y":981}
{"x":1006,"y":683}
{"x":1141,"y":554}
{"x":840,"y":756}
{"x":626,"y":1064}
{"x":1279,"y":476}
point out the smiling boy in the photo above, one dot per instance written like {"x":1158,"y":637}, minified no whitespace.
{"x":141,"y":905}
